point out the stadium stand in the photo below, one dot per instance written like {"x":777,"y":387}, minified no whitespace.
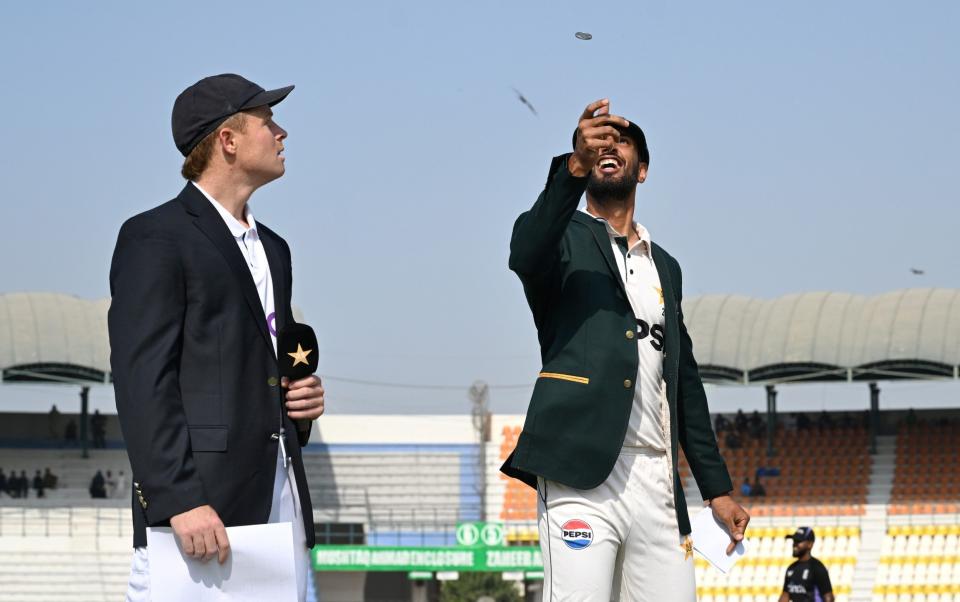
{"x":760,"y":576}
{"x":73,"y":472}
{"x":927,"y":475}
{"x":73,"y":554}
{"x":402,"y":494}
{"x":820,"y":472}
{"x":919,"y":563}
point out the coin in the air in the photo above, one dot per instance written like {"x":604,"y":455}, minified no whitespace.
{"x":582,"y":35}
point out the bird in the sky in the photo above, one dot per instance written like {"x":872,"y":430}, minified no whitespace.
{"x":524,"y":100}
{"x":916,"y":272}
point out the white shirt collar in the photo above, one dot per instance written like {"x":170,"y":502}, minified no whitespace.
{"x":642,"y":232}
{"x":237,"y":229}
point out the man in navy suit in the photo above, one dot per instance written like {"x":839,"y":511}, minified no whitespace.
{"x":200,"y":290}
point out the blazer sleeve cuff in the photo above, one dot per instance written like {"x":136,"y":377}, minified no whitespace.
{"x":560,"y":174}
{"x":714,"y":486}
{"x":160,"y":504}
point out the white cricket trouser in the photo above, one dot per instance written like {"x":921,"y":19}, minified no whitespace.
{"x":619,"y":541}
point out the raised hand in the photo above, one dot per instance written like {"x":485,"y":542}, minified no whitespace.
{"x":596,"y":131}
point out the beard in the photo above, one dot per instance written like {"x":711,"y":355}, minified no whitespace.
{"x":606,"y":189}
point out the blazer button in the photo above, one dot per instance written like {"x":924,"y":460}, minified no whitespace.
{"x":272,"y":381}
{"x":630,"y":335}
{"x":627,"y":384}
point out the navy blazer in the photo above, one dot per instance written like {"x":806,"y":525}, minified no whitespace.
{"x":194,"y":369}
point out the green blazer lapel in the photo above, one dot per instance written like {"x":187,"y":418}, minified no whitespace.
{"x":670,"y":319}
{"x":602,"y":238}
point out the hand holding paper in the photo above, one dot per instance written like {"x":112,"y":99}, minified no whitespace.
{"x":259,"y":567}
{"x":711,"y":539}
{"x":733,"y":517}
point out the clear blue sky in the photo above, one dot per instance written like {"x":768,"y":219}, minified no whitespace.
{"x":795,"y":147}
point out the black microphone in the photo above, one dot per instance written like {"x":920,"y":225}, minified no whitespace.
{"x":298,"y":357}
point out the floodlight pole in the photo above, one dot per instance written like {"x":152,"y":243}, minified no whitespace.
{"x":771,"y":419}
{"x":479,"y":395}
{"x":874,"y":416}
{"x":84,"y":412}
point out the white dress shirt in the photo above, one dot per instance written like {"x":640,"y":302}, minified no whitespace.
{"x":642,"y":283}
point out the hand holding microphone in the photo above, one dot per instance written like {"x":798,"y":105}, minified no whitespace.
{"x":299,"y":360}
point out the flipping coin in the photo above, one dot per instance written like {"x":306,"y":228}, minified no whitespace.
{"x":582,"y":35}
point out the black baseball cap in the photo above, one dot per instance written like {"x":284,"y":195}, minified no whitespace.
{"x":803,"y":534}
{"x":202,"y":107}
{"x":633,"y":130}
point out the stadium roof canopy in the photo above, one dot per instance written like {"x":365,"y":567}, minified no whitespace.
{"x":906,"y":334}
{"x":49,"y":337}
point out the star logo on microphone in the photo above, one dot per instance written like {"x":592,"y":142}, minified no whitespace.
{"x":300,"y":355}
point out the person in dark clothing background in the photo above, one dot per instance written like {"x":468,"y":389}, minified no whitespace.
{"x":38,"y":483}
{"x":98,"y":426}
{"x":98,"y":489}
{"x":807,"y":579}
{"x":24,"y":484}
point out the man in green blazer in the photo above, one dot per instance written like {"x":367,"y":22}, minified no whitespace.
{"x":620,"y":391}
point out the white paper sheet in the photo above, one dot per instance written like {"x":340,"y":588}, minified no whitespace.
{"x":710,"y":539}
{"x":260,"y":567}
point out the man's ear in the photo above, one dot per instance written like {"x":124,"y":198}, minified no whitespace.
{"x":228,"y":141}
{"x":642,"y":173}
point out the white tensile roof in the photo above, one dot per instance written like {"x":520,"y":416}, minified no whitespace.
{"x":912,"y":333}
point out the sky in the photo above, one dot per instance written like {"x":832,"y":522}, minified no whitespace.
{"x":794,"y":147}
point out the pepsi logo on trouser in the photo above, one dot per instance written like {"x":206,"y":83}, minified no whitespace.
{"x":576,"y":534}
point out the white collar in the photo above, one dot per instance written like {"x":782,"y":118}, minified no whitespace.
{"x":642,"y":232}
{"x":237,"y":229}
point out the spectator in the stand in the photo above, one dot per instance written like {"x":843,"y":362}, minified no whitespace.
{"x":790,"y":421}
{"x":720,"y":424}
{"x":98,"y":427}
{"x":3,"y":483}
{"x":740,"y":421}
{"x":70,"y":433}
{"x":846,"y":421}
{"x":98,"y":486}
{"x":757,"y":489}
{"x":803,"y":422}
{"x":24,"y":484}
{"x":824,"y":422}
{"x":49,"y":479}
{"x":121,"y":486}
{"x":733,"y":440}
{"x":756,"y":425}
{"x":911,"y":417}
{"x":54,"y":421}
{"x":745,"y":488}
{"x":38,"y":483}
{"x":13,"y":484}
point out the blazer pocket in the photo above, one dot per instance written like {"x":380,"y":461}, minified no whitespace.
{"x":583,"y":380}
{"x":208,"y":438}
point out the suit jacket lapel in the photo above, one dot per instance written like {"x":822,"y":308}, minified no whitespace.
{"x":602,"y":238}
{"x":278,"y":275}
{"x":211,"y":224}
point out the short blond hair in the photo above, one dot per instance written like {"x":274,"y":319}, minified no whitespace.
{"x":198,"y":159}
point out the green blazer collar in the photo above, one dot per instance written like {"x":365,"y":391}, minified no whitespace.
{"x":602,"y":238}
